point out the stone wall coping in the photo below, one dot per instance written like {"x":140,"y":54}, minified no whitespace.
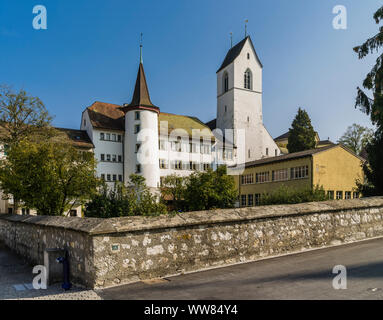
{"x":98,"y":226}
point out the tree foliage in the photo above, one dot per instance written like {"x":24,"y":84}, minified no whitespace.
{"x":21,"y":116}
{"x":301,"y":133}
{"x":373,"y":106}
{"x":210,"y":190}
{"x":173,"y":188}
{"x":48,"y":176}
{"x":356,"y":137}
{"x":133,"y":200}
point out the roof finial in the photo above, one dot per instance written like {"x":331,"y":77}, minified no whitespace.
{"x":141,"y":48}
{"x":231,"y":39}
{"x":246,"y":21}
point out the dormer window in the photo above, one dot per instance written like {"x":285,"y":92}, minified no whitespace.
{"x":225,"y":82}
{"x":248,"y":79}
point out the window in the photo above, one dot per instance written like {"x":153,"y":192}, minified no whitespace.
{"x":84,"y":122}
{"x":228,"y":154}
{"x":243,"y":200}
{"x":250,"y":200}
{"x":339,"y":195}
{"x":225,"y":82}
{"x":114,"y":177}
{"x":102,"y":136}
{"x":162,"y":144}
{"x":120,"y":177}
{"x":114,"y":138}
{"x":138,"y":145}
{"x":355,"y":195}
{"x":276,"y":152}
{"x":108,"y":177}
{"x":248,"y":56}
{"x":107,"y":137}
{"x":247,"y":179}
{"x":330,"y":195}
{"x":137,"y":115}
{"x":73,"y":213}
{"x":178,"y":165}
{"x":347,"y":195}
{"x":206,"y":166}
{"x":205,"y":149}
{"x":103,"y":176}
{"x":176,"y":146}
{"x":138,"y":168}
{"x":248,"y":153}
{"x":193,"y":166}
{"x":194,"y":148}
{"x":225,"y":108}
{"x":114,"y":157}
{"x":119,"y":138}
{"x":280,"y":175}
{"x":267,"y":151}
{"x":136,"y":128}
{"x":257,"y":199}
{"x":299,"y":172}
{"x":262,"y":177}
{"x":120,"y":158}
{"x":163,"y":164}
{"x":108,"y":157}
{"x":247,"y":79}
{"x":102,"y":157}
{"x":248,"y":119}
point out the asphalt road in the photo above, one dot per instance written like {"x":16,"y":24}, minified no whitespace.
{"x":301,"y":276}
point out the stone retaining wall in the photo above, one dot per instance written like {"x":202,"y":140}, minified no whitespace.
{"x":106,"y":252}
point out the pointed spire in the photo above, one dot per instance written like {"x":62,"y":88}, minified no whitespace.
{"x":141,"y":96}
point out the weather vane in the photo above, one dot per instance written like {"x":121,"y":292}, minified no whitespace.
{"x":231,"y":39}
{"x":246,"y":21}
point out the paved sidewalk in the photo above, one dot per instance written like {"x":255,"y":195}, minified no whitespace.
{"x":16,"y":282}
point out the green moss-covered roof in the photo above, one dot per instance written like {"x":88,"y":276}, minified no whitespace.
{"x":185,"y":123}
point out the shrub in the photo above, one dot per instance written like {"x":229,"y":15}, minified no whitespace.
{"x":285,"y":195}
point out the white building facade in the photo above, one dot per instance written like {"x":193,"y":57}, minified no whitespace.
{"x":137,"y":138}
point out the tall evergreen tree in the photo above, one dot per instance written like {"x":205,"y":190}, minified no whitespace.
{"x":301,"y":133}
{"x":373,"y":106}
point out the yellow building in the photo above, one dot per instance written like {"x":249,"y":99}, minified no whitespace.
{"x":334,"y":167}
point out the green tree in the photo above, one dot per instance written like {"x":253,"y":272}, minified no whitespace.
{"x":133,"y":200}
{"x":356,"y":137}
{"x":301,"y":133}
{"x":21,"y":116}
{"x":210,"y":190}
{"x":373,"y":106}
{"x":48,"y":176}
{"x":173,"y":187}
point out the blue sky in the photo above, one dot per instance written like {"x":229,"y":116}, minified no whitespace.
{"x":90,"y":52}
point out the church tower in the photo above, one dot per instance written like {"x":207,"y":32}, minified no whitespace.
{"x":141,"y":134}
{"x":239,"y":102}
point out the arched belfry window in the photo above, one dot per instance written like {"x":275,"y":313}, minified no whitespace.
{"x":225,"y":82}
{"x":248,"y":79}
